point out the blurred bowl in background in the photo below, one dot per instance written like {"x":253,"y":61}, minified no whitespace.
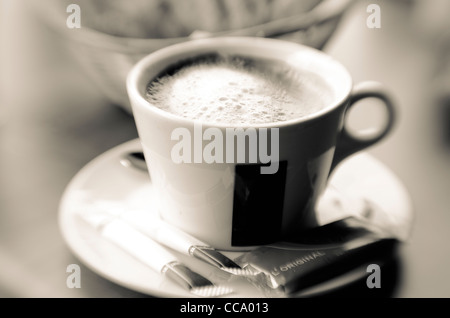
{"x":116,"y":34}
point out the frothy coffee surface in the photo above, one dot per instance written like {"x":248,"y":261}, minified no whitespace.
{"x":239,"y":92}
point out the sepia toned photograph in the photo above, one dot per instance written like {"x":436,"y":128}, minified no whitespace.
{"x":225,"y":149}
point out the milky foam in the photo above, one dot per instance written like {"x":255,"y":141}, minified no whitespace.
{"x":224,"y":92}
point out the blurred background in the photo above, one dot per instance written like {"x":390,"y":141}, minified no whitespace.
{"x":57,"y":114}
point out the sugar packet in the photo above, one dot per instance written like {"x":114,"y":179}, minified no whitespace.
{"x":318,"y":255}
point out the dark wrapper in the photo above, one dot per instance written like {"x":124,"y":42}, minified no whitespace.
{"x":319,"y":255}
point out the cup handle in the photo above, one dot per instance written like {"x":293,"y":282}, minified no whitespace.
{"x":348,"y":143}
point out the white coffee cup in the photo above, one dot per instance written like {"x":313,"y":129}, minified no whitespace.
{"x":234,"y":205}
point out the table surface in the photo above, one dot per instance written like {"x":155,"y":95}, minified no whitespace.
{"x":53,"y":121}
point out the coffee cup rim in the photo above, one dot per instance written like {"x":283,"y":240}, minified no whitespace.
{"x":154,"y":63}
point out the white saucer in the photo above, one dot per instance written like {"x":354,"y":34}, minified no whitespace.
{"x":105,"y":179}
